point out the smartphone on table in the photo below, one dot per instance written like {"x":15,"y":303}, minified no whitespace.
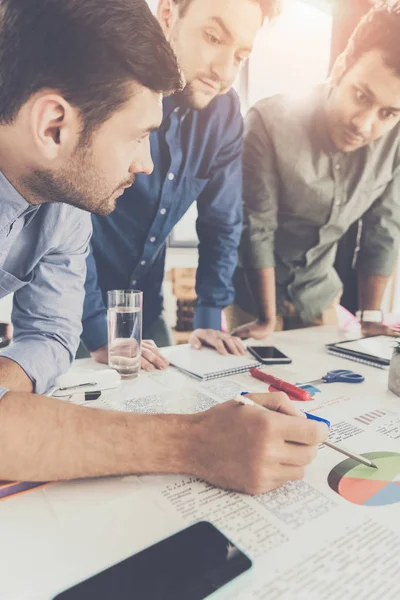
{"x":193,"y":564}
{"x":269,"y":355}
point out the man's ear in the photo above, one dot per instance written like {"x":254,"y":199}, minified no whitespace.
{"x":54,"y":125}
{"x":166,"y":11}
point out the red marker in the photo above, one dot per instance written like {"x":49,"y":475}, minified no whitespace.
{"x":284,"y":386}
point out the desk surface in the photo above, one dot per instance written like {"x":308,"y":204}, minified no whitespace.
{"x":55,"y":536}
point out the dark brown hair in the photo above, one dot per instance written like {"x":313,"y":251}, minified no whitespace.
{"x":270,"y":8}
{"x":87,"y":50}
{"x":379,"y":29}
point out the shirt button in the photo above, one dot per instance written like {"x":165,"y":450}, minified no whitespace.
{"x":171,"y":176}
{"x":152,"y":240}
{"x":338,"y":203}
{"x":337,"y":167}
{"x":134,"y":282}
{"x":163,"y":211}
{"x":143,"y":263}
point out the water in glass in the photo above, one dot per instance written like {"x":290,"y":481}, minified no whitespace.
{"x":125,"y":333}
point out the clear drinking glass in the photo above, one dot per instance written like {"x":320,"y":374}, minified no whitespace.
{"x":125,"y":331}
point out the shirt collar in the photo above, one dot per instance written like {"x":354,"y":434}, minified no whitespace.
{"x":174,"y":104}
{"x":170,"y":103}
{"x":12,"y":204}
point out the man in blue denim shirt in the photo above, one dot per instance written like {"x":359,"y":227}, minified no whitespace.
{"x":197,"y":158}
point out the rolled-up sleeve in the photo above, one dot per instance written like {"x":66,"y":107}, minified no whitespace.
{"x":380,"y":238}
{"x":47,"y":312}
{"x":260,"y":195}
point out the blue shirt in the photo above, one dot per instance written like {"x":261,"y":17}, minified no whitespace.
{"x":197,"y":158}
{"x":43,"y":253}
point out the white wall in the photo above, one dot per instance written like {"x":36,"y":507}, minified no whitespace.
{"x":292,"y":54}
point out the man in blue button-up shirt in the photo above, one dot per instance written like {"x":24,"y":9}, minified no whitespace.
{"x":197,"y":158}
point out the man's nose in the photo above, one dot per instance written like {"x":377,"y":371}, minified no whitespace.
{"x":225,"y":67}
{"x":143,"y":163}
{"x":363,"y":123}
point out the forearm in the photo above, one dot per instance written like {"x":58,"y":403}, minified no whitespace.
{"x":371,"y":289}
{"x":44,"y":439}
{"x":13,"y":377}
{"x":262,"y":283}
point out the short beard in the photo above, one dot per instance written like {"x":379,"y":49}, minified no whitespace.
{"x":187,"y":98}
{"x":74,"y":185}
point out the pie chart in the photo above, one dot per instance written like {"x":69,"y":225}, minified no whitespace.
{"x":367,"y":486}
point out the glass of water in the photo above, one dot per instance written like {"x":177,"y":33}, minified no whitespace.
{"x":125,"y":331}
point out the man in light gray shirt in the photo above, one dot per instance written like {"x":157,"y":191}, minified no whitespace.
{"x":82,"y":84}
{"x":312,"y":167}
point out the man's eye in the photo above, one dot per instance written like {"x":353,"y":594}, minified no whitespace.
{"x":361,"y":97}
{"x":213,"y":39}
{"x":387,"y":114}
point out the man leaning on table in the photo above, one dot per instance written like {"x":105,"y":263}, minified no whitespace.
{"x":81,"y":90}
{"x":197,"y":155}
{"x":312,"y":167}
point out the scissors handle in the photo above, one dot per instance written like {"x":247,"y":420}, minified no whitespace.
{"x":343,"y":376}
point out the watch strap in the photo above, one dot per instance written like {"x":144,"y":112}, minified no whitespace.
{"x":370,"y":316}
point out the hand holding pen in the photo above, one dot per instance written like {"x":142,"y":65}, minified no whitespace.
{"x":247,"y":400}
{"x":256,"y":451}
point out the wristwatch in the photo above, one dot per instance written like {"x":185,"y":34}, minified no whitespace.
{"x":370,"y":316}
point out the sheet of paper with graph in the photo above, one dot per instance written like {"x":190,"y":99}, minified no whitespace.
{"x":342,"y":518}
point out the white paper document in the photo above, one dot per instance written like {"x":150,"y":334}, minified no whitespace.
{"x":335,"y":535}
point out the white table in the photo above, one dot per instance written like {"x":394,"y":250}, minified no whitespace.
{"x":55,"y":536}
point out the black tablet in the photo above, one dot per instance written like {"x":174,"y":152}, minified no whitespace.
{"x":191,"y":565}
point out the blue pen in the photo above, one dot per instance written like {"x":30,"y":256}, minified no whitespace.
{"x":357,"y":457}
{"x":315,"y":418}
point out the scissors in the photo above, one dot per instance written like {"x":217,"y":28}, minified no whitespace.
{"x":339,"y":376}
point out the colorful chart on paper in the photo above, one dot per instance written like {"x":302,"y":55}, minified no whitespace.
{"x":367,"y":486}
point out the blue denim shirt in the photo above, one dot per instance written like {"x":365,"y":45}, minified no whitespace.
{"x":43,"y":253}
{"x":197,"y":158}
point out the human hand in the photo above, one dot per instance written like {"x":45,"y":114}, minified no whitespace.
{"x":277,"y":401}
{"x":222,"y":342}
{"x":101,"y":355}
{"x":369,"y":328}
{"x":253,"y":451}
{"x":258,"y":330}
{"x":152,"y":358}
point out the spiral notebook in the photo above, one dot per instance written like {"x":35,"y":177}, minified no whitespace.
{"x":375,"y":351}
{"x":206,"y":363}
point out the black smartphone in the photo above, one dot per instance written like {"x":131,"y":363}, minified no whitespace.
{"x":191,"y":565}
{"x":269,"y":355}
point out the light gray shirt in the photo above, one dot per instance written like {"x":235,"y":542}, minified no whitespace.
{"x":300,"y":197}
{"x":43,"y":262}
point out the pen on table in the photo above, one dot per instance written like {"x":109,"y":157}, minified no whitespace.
{"x":296,"y":392}
{"x":357,"y":457}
